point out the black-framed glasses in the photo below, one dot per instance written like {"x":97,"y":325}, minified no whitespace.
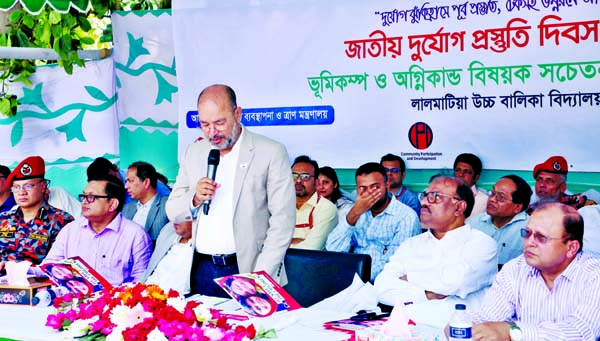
{"x":500,"y":197}
{"x":302,"y":176}
{"x":26,"y":187}
{"x":90,"y":198}
{"x":434,"y":197}
{"x":392,"y":170}
{"x":538,"y":237}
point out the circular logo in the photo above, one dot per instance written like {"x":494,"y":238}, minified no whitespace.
{"x":26,"y":169}
{"x":556,"y":166}
{"x":420,"y":135}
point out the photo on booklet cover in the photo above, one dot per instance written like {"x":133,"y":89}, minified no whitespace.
{"x":75,"y":275}
{"x":257,"y":293}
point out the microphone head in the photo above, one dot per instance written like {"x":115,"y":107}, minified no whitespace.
{"x":214,"y":156}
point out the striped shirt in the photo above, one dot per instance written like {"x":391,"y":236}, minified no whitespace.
{"x":377,"y":236}
{"x":570,"y":311}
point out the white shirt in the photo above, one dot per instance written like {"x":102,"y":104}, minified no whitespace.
{"x":324,"y":217}
{"x":480,"y":205}
{"x":215,"y":230}
{"x":170,"y":272}
{"x":60,"y":198}
{"x":591,"y":229}
{"x":141,"y":214}
{"x":463,"y":262}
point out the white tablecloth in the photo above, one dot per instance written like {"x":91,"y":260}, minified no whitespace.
{"x":27,"y":323}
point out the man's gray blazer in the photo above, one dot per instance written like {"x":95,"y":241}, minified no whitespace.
{"x":264,"y":200}
{"x":157,"y":216}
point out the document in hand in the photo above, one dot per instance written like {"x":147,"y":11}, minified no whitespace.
{"x":258,"y":293}
{"x":76,"y":275}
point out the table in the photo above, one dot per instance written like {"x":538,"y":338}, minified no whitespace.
{"x":28,"y":323}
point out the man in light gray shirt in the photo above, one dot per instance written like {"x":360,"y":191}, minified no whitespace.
{"x":505,"y":216}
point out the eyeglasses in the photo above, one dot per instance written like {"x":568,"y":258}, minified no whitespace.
{"x":540,"y":238}
{"x":392,"y":170}
{"x":433,"y":197}
{"x":302,"y":176}
{"x":26,"y":187}
{"x":501,"y":198}
{"x":90,"y":198}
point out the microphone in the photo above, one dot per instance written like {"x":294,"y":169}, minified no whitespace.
{"x":214,"y":156}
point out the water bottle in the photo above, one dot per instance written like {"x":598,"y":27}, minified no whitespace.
{"x":45,"y":298}
{"x":460,"y":325}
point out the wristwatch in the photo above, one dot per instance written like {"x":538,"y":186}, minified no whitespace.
{"x":515,"y":332}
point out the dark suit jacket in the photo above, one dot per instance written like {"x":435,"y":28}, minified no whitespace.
{"x":157,"y":217}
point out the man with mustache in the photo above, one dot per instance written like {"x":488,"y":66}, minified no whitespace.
{"x":552,"y":291}
{"x":551,"y":183}
{"x":505,"y":216}
{"x":315,"y":216}
{"x":450,"y":262}
{"x":148,"y":207}
{"x":251,"y":219}
{"x":377,"y":223}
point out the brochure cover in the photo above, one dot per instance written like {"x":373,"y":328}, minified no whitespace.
{"x":258,"y":293}
{"x":76,"y":275}
{"x":350,"y":326}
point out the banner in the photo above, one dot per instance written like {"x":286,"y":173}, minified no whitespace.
{"x":513,"y":81}
{"x":145,"y":69}
{"x":63,"y":116}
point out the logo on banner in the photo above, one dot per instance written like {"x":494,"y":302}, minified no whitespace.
{"x":420,"y":135}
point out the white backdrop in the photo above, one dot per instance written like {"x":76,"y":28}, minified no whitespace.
{"x":419,"y":62}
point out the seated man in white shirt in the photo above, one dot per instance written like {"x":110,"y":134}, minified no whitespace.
{"x":174,"y":249}
{"x":448,"y":264}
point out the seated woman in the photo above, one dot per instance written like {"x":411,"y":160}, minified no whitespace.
{"x":328,"y":186}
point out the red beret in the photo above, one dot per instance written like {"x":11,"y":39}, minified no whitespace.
{"x":554,"y":164}
{"x":30,"y":168}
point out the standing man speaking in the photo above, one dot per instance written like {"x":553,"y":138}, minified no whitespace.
{"x":252,"y":203}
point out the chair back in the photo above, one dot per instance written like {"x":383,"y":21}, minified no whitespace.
{"x":315,"y":275}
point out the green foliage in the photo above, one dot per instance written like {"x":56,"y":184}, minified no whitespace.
{"x":65,"y":33}
{"x":8,"y":104}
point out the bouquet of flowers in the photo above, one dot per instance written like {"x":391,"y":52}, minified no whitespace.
{"x":141,"y":311}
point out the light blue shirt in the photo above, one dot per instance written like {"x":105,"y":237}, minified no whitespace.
{"x":508,"y":237}
{"x":376,"y":236}
{"x":409,"y":198}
